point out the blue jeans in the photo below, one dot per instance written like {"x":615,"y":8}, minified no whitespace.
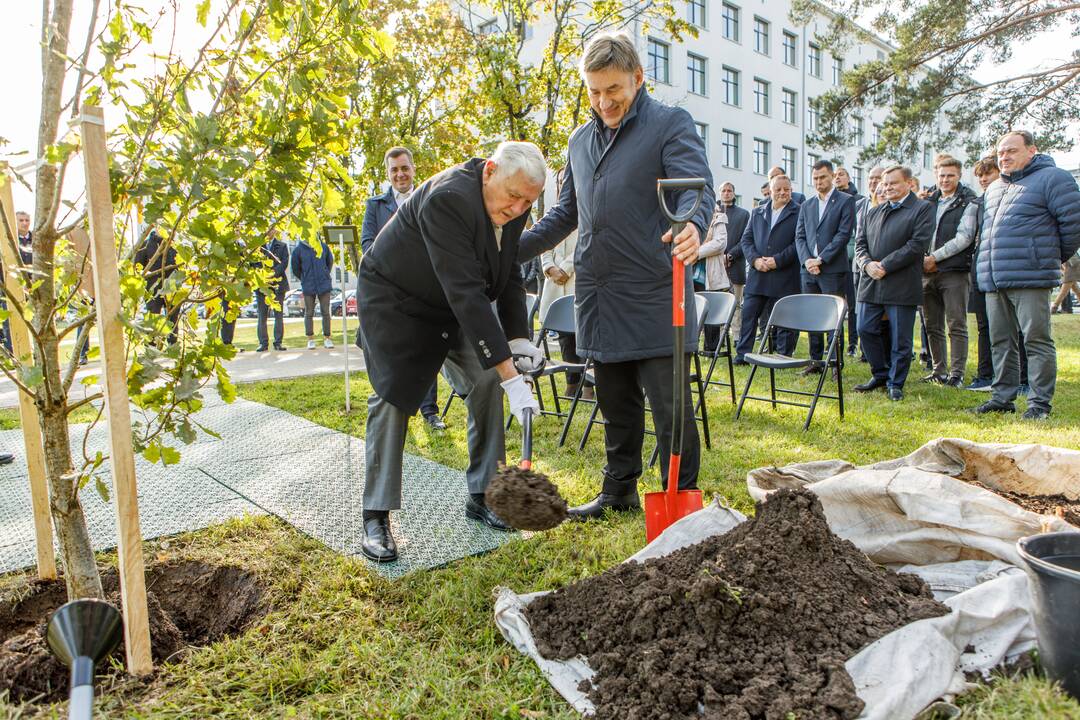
{"x":893,"y":368}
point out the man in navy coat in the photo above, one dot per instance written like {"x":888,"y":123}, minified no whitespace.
{"x":768,"y":244}
{"x":401,"y":172}
{"x":825,"y":223}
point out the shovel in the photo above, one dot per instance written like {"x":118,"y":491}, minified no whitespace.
{"x":665,"y":507}
{"x":520,"y":496}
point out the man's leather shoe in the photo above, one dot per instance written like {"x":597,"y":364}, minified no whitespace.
{"x":992,"y":407}
{"x":482,"y":513}
{"x":378,"y":544}
{"x":261,"y":348}
{"x":955,"y":382}
{"x":813,"y":369}
{"x":935,"y":379}
{"x":6,"y":458}
{"x":279,"y":347}
{"x":596,"y":507}
{"x":435,"y":422}
{"x":896,"y":394}
{"x":871,"y":384}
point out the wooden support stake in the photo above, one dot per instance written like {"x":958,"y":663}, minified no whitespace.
{"x":111,"y":339}
{"x":28,"y":415}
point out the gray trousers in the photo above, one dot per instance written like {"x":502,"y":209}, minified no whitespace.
{"x":945,"y":299}
{"x":1022,"y":310}
{"x":309,"y":313}
{"x":384,"y":441}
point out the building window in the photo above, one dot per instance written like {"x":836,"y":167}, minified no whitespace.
{"x":927,"y":161}
{"x":813,"y":117}
{"x":837,"y":69}
{"x":731,"y":150}
{"x":761,"y":36}
{"x":731,"y":86}
{"x":695,"y":12}
{"x":859,"y":135}
{"x":703,"y":133}
{"x":659,"y":55}
{"x":790,"y":53}
{"x":761,"y":96}
{"x":857,"y":177}
{"x":695,"y":67}
{"x":761,"y":156}
{"x":811,"y":160}
{"x":730,"y":29}
{"x":813,"y":59}
{"x":789,"y":102}
{"x":488,"y":27}
{"x":788,"y":162}
{"x":876,"y":137}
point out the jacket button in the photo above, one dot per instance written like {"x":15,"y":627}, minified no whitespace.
{"x":596,"y":176}
{"x":446,"y":336}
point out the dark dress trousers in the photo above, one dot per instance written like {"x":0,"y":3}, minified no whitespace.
{"x":825,"y":236}
{"x":278,"y":253}
{"x":430,"y":278}
{"x":737,"y":218}
{"x":897,"y":238}
{"x":763,"y":289}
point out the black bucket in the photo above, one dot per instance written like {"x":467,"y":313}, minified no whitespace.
{"x":1053,"y":567}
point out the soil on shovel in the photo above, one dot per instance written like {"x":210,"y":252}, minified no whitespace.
{"x":190,"y":603}
{"x":1068,"y":510}
{"x":753,"y":624}
{"x":525,"y":499}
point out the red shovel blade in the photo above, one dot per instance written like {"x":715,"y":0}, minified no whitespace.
{"x":665,"y":507}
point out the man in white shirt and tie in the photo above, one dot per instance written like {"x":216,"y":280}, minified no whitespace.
{"x":401,"y":172}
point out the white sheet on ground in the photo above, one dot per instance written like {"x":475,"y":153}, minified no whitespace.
{"x":914,"y":515}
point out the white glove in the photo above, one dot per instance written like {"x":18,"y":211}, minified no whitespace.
{"x":527,"y":357}
{"x":520,"y":396}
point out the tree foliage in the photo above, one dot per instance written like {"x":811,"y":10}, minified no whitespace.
{"x":940,"y":45}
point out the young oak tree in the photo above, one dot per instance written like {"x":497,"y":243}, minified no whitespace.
{"x":216,"y":151}
{"x":940,"y":44}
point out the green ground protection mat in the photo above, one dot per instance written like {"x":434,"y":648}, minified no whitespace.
{"x":266,"y":461}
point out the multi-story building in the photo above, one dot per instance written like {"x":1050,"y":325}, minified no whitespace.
{"x":747,"y":79}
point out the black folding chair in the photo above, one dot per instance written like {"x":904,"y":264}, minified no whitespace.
{"x":802,"y":313}
{"x":532,"y":307}
{"x":719,"y":312}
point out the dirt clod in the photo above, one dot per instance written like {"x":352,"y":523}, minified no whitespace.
{"x":525,"y":499}
{"x":1068,"y":510}
{"x":190,"y":604}
{"x":753,"y":624}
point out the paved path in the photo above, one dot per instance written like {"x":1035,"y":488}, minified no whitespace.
{"x":247,"y":366}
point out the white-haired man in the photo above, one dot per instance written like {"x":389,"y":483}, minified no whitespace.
{"x":441,"y":287}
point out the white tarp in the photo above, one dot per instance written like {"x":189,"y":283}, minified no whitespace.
{"x":913,"y":515}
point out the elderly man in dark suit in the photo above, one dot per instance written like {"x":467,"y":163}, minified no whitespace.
{"x":441,"y":287}
{"x":889,"y":250}
{"x":826,"y":221}
{"x":277,"y":252}
{"x":769,"y":246}
{"x":401,"y":172}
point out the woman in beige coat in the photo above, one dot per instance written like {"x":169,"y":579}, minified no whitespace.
{"x":712,"y":254}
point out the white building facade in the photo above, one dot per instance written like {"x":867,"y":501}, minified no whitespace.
{"x":747,"y":80}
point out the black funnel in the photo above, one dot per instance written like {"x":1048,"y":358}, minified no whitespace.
{"x":84,"y":628}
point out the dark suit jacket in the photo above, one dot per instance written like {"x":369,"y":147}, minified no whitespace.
{"x":779,"y":243}
{"x":432,"y":275}
{"x":378,"y":212}
{"x":278,"y":254}
{"x":898,"y":239}
{"x":829,"y":234}
{"x":737,"y":218}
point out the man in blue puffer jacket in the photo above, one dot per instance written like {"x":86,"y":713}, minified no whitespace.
{"x":1031,"y":226}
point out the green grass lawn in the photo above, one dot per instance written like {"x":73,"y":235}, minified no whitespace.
{"x":343,"y":642}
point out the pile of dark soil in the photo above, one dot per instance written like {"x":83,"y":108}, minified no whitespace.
{"x":1060,"y":505}
{"x":190,"y":603}
{"x":525,"y":499}
{"x":753,"y":624}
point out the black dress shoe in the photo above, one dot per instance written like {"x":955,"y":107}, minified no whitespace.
{"x":896,"y":394}
{"x":261,"y":348}
{"x":435,"y":422}
{"x":935,"y":379}
{"x":6,"y":458}
{"x":378,"y":544}
{"x":482,"y":513}
{"x":992,"y":407}
{"x":871,"y":384}
{"x":955,"y":381}
{"x":596,"y":507}
{"x":279,"y":347}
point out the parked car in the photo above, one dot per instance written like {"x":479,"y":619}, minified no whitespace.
{"x":294,"y":303}
{"x":250,"y":310}
{"x":350,"y":304}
